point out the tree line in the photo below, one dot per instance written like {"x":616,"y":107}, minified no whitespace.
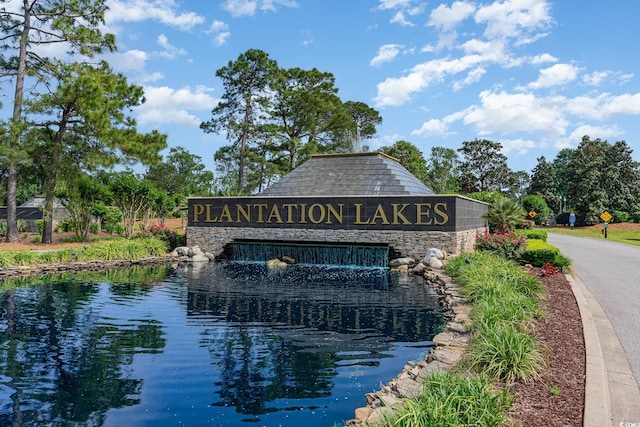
{"x":594,"y":177}
{"x":275,"y":118}
{"x":70,"y":116}
{"x":71,"y":126}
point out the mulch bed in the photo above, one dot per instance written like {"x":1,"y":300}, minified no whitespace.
{"x":558,"y":398}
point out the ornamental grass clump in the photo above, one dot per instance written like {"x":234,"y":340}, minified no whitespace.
{"x":508,"y":245}
{"x":505,"y":300}
{"x":516,"y":310}
{"x":506,"y":353}
{"x":453,"y":399}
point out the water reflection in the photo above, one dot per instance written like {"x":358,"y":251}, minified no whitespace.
{"x":216,"y":344}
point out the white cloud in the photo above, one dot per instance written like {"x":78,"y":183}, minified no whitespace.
{"x":473,"y":76}
{"x":220,"y":32}
{"x":399,"y":18}
{"x":447,"y":18}
{"x":595,"y":78}
{"x":624,"y":78}
{"x":433,"y":127}
{"x":518,"y":147}
{"x":169,"y":51}
{"x":556,"y":75}
{"x":516,"y":112}
{"x":386,"y":53}
{"x":395,"y":4}
{"x":133,"y":62}
{"x":581,"y":130}
{"x":622,"y":104}
{"x":543,"y":59}
{"x":437,"y":127}
{"x":513,"y":18}
{"x":397,"y":91}
{"x":238,"y":8}
{"x":164,"y":11}
{"x":165,"y":105}
{"x":402,"y":10}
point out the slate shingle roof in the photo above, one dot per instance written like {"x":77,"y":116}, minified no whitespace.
{"x":352,"y":174}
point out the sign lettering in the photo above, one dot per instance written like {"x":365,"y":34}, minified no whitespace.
{"x":345,"y":212}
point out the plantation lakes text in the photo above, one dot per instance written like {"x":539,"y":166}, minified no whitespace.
{"x":409,"y":212}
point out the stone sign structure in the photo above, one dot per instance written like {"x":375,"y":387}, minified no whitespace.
{"x":359,"y":198}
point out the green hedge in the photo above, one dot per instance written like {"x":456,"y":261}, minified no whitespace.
{"x":539,"y":252}
{"x":533,"y":234}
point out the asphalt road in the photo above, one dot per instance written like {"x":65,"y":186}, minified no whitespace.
{"x":611,"y":271}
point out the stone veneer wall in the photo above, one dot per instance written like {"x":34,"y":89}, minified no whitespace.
{"x":413,"y":244}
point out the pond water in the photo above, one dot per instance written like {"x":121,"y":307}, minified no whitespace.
{"x":222,"y":344}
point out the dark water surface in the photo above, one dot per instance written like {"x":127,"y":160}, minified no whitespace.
{"x":221,"y":344}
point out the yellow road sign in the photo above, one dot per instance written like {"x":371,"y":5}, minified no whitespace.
{"x":606,"y":216}
{"x":532,"y":213}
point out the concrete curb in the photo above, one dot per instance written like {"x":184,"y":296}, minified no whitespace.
{"x":612,"y":397}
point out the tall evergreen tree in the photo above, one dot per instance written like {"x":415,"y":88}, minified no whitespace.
{"x":588,"y":174}
{"x":181,"y":173}
{"x":409,"y":156}
{"x":622,"y":178}
{"x":564,"y":177}
{"x":484,"y":167}
{"x":86,"y":126}
{"x":545,"y":184}
{"x":307,"y":114}
{"x":244,"y":105}
{"x":38,"y":23}
{"x":443,"y":170}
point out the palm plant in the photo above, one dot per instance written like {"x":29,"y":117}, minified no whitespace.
{"x":504,"y":214}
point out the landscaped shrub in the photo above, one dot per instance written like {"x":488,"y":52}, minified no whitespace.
{"x":3,"y":228}
{"x":635,"y":217}
{"x":508,"y":245}
{"x":506,"y":353}
{"x":112,"y":228}
{"x":536,"y":203}
{"x":109,"y":215}
{"x":162,"y":232}
{"x":534,"y":234}
{"x":94,"y":228}
{"x":620,"y":216}
{"x":65,"y":225}
{"x":561,"y":262}
{"x":504,"y":298}
{"x":453,"y":399}
{"x":539,"y":252}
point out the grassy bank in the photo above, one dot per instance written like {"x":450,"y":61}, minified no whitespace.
{"x":119,"y":249}
{"x":505,"y":300}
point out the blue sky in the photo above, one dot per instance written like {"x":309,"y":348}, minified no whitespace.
{"x":534,"y":75}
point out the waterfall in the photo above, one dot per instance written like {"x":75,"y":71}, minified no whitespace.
{"x":320,"y":254}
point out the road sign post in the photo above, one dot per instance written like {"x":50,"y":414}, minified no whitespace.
{"x":606,"y":217}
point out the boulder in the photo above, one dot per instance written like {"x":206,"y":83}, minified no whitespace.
{"x":276,"y":263}
{"x":435,"y":262}
{"x":397,"y":262}
{"x":433,"y":252}
{"x":288,"y":260}
{"x":181,"y":250}
{"x":198,"y":258}
{"x":419,"y":269}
